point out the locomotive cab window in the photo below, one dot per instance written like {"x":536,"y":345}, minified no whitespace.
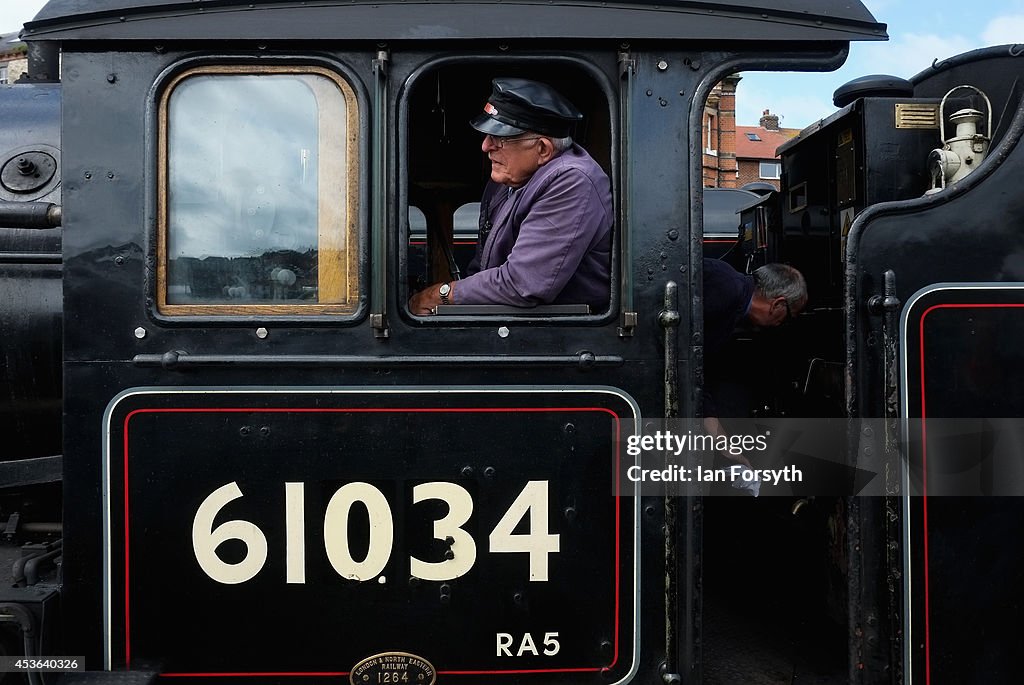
{"x":258,"y":178}
{"x":448,"y":163}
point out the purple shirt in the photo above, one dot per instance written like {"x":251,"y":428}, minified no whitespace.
{"x":550,"y":241}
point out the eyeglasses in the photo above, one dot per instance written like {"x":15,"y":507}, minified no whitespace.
{"x":501,"y":141}
{"x":789,"y":312}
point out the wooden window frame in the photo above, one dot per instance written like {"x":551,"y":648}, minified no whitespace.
{"x":338,"y":241}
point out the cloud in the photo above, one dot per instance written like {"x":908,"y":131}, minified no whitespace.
{"x":946,"y":31}
{"x":907,"y":54}
{"x":807,"y":97}
{"x":1005,"y":29}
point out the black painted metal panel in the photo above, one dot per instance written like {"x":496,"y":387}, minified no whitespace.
{"x":948,"y":250}
{"x":30,"y":276}
{"x":574,"y":593}
{"x":109,"y":202}
{"x":961,"y":348}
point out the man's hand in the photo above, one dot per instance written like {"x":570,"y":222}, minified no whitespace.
{"x":423,"y":302}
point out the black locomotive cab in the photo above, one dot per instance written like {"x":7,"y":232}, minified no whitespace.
{"x":238,"y":454}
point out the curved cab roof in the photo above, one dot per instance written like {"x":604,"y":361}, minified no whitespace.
{"x":772,"y":20}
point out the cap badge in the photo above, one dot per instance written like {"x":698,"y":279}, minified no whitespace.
{"x":490,"y":109}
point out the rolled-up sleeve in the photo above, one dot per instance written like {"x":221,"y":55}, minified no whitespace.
{"x":561,"y":226}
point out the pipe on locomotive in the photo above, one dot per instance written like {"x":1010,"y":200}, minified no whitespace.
{"x":22,"y":615}
{"x":43,"y":62}
{"x":29,"y":215}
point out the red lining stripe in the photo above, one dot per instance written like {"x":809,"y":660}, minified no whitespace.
{"x":924,"y":468}
{"x":377,"y":410}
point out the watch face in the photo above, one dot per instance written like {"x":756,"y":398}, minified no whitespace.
{"x":444,"y":289}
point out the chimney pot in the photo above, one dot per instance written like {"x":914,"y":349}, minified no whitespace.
{"x":769,"y":122}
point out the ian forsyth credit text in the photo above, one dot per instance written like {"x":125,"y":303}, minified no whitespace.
{"x":694,"y":446}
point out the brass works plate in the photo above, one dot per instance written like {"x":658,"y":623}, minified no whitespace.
{"x":393,"y":668}
{"x":917,"y":115}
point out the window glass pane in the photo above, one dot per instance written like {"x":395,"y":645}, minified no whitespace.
{"x":771,"y":169}
{"x":259,"y":203}
{"x":711,"y":144}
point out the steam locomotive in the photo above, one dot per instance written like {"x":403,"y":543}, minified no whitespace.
{"x":233,"y":454}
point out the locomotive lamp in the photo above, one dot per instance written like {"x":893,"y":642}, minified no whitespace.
{"x":961,"y":154}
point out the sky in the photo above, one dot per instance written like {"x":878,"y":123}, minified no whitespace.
{"x":919,"y":33}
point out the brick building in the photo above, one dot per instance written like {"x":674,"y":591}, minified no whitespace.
{"x":756,"y":160}
{"x":718,"y":137}
{"x":13,"y":58}
{"x":736,"y":155}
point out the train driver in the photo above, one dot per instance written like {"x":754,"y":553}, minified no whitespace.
{"x":545,"y":215}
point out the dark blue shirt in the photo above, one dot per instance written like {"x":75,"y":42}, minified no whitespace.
{"x":727,"y":295}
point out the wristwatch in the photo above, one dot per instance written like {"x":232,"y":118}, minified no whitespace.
{"x":444,"y":291}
